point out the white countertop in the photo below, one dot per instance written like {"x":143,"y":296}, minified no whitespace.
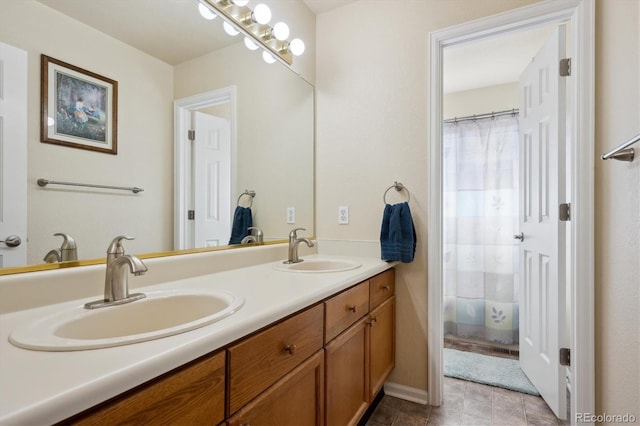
{"x":38,"y":387}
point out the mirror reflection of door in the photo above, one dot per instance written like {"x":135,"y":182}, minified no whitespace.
{"x":211,"y":180}
{"x":13,"y":161}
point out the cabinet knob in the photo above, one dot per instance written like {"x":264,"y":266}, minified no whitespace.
{"x":291,"y":349}
{"x":372,"y":320}
{"x":385,"y":288}
{"x":352,"y":308}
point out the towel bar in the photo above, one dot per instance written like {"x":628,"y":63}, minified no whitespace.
{"x":622,"y":152}
{"x":44,"y":182}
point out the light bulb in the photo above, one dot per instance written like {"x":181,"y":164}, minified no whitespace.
{"x":250,"y":44}
{"x":281,"y":31}
{"x":268,"y":57}
{"x":240,"y":3}
{"x":228,"y":28}
{"x":206,"y":12}
{"x":262,"y":14}
{"x":296,"y":46}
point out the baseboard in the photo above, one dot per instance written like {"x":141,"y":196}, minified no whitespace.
{"x":407,"y":393}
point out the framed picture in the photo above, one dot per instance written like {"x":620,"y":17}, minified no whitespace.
{"x":79,"y":107}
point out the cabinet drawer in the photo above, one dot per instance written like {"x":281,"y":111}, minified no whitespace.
{"x":259,"y":361}
{"x":193,"y":394}
{"x":382,"y":287}
{"x":345,"y":309}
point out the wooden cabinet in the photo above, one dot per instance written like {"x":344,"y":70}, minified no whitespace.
{"x":322,"y":365}
{"x":192,"y":394}
{"x":359,"y":360}
{"x":348,"y":375}
{"x":297,"y":399}
{"x":259,"y":361}
{"x":382,"y":325}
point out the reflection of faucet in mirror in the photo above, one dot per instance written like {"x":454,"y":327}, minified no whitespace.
{"x":116,"y":285}
{"x":67,"y":251}
{"x":293,"y":246}
{"x":256,"y":237}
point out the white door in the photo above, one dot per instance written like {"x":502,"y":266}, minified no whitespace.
{"x":542,"y":250}
{"x":212,"y":181}
{"x":13,"y":156}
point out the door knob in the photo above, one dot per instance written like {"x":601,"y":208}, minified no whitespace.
{"x":12,"y":241}
{"x":519,"y":236}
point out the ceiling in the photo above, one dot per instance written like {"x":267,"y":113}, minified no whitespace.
{"x":157,"y":27}
{"x":491,"y":61}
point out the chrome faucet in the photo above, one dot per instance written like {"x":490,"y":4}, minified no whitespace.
{"x":116,"y":284}
{"x":256,"y":237}
{"x":67,"y":251}
{"x":293,"y":246}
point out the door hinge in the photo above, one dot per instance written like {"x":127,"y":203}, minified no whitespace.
{"x":565,"y":212}
{"x":191,"y":215}
{"x":565,"y":67}
{"x":565,"y":356}
{"x":191,"y":135}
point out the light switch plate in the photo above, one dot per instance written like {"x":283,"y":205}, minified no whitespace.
{"x":291,"y":215}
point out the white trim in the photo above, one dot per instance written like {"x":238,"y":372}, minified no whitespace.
{"x":581,"y":14}
{"x":407,"y":393}
{"x":182,"y":153}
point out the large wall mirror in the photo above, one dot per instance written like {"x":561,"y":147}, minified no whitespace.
{"x":160,"y":52}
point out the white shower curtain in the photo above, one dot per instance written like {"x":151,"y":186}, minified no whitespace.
{"x":480,"y":219}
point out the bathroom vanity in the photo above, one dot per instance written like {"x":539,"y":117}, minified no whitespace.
{"x":306,"y":348}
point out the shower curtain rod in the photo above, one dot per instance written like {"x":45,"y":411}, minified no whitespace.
{"x":475,"y":117}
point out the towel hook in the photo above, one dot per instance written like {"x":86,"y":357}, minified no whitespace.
{"x":251,"y":195}
{"x":398,"y":187}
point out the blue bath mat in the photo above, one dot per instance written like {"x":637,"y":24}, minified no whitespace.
{"x":489,"y":370}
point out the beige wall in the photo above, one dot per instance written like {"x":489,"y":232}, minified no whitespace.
{"x":617,"y":233}
{"x":145,"y":90}
{"x":372,"y":69}
{"x":483,"y":100}
{"x":371,"y":130}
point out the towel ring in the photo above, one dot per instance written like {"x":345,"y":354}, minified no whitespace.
{"x":398,"y":187}
{"x":251,"y":195}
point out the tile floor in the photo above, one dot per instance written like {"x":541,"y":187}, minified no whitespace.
{"x":466,"y":404}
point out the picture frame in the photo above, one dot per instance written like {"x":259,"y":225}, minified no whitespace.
{"x":79,"y":107}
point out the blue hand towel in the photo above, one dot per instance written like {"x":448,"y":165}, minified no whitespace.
{"x":241,"y":221}
{"x":398,"y":234}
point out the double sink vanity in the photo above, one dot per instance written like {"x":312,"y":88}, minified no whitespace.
{"x":266,"y":343}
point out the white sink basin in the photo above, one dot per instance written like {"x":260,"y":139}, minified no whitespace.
{"x":160,"y":314}
{"x":318,"y":266}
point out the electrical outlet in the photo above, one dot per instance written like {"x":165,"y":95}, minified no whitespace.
{"x":343,"y":215}
{"x":291,"y":215}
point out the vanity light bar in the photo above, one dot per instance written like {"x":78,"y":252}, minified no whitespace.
{"x":241,"y":18}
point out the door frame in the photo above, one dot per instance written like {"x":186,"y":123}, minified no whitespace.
{"x":182,"y":109}
{"x":581,"y":15}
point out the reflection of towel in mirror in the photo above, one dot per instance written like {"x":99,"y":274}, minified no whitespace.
{"x":398,"y":234}
{"x":241,"y":221}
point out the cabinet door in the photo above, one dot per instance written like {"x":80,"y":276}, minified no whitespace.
{"x":193,"y":394}
{"x":259,"y":361}
{"x":297,"y":399}
{"x":382,"y":326}
{"x":347,"y":375}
